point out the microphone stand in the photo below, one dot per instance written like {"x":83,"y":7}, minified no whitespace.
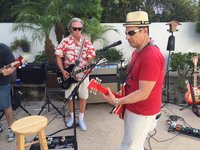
{"x":74,"y":95}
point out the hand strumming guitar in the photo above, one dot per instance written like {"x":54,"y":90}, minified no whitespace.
{"x":109,"y":97}
{"x":66,"y":74}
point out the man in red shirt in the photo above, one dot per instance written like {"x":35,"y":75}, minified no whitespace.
{"x":143,"y":90}
{"x":75,"y":49}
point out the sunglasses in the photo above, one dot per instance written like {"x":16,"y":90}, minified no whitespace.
{"x":75,"y":29}
{"x":132,"y":32}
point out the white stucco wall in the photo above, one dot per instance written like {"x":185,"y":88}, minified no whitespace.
{"x":186,"y":39}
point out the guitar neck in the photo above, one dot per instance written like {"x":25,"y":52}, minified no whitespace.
{"x":195,"y":76}
{"x":195,"y":61}
{"x":81,"y":70}
{"x":192,"y":94}
{"x":95,"y":86}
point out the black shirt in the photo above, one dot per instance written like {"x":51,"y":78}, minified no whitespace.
{"x":6,"y":57}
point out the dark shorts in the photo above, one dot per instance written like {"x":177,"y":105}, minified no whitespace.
{"x":5,"y":97}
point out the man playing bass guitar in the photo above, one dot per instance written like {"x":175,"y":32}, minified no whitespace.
{"x":75,"y":49}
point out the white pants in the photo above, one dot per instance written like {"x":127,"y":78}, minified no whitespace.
{"x":136,"y":129}
{"x":82,"y":91}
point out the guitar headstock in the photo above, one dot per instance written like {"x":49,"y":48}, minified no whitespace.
{"x":94,"y":85}
{"x":19,"y":62}
{"x":195,"y":60}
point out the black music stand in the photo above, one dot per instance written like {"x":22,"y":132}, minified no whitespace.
{"x":50,"y":85}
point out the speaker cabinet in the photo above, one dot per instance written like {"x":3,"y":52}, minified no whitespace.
{"x":31,"y":74}
{"x":51,"y":81}
{"x":107,"y":81}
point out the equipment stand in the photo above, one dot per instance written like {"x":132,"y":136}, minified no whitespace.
{"x":74,"y":95}
{"x":170,"y":47}
{"x":16,"y":95}
{"x":49,"y":69}
{"x":48,"y":102}
{"x":2,"y":113}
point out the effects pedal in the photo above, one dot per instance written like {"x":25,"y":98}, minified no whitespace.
{"x":174,"y":127}
{"x":57,"y":143}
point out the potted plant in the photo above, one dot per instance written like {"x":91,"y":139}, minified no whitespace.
{"x":23,"y":43}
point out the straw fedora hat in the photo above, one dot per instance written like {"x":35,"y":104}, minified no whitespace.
{"x":137,"y":18}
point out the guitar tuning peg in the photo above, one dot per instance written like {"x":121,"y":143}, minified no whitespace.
{"x":95,"y":92}
{"x":98,"y":80}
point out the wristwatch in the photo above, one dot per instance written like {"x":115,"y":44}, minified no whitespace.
{"x":116,"y":101}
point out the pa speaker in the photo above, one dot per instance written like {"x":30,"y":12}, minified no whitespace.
{"x":171,"y":43}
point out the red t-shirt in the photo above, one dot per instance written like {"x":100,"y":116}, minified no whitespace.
{"x":148,"y":66}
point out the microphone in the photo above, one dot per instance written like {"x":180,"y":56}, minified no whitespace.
{"x":111,"y":45}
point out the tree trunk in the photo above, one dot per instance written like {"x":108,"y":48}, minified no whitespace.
{"x":59,"y":30}
{"x":49,"y":49}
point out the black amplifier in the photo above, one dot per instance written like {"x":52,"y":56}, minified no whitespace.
{"x":31,"y":74}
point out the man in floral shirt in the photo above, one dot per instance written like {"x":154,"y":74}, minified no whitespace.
{"x":75,"y":49}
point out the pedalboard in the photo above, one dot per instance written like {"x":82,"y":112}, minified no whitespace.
{"x":57,"y":143}
{"x":181,"y":129}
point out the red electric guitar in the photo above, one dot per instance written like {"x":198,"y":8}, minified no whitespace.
{"x":17,"y":63}
{"x":192,"y":96}
{"x":94,"y":86}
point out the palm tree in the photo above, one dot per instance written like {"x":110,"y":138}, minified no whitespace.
{"x":41,"y":15}
{"x":65,"y":10}
{"x":32,"y":16}
{"x":96,"y":31}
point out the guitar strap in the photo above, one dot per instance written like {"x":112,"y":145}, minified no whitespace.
{"x":78,"y":60}
{"x":129,"y":71}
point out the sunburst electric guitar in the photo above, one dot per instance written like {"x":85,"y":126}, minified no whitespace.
{"x":17,"y":63}
{"x":192,"y":96}
{"x":95,"y":86}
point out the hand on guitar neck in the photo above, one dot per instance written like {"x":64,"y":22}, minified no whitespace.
{"x":10,"y":68}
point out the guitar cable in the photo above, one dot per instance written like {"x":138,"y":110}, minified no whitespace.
{"x":174,"y":117}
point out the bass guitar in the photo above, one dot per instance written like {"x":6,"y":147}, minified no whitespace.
{"x":75,"y":74}
{"x":17,"y":63}
{"x":192,"y":96}
{"x":95,"y":86}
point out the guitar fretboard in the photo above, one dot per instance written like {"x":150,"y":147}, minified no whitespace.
{"x":81,"y":70}
{"x":195,"y":76}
